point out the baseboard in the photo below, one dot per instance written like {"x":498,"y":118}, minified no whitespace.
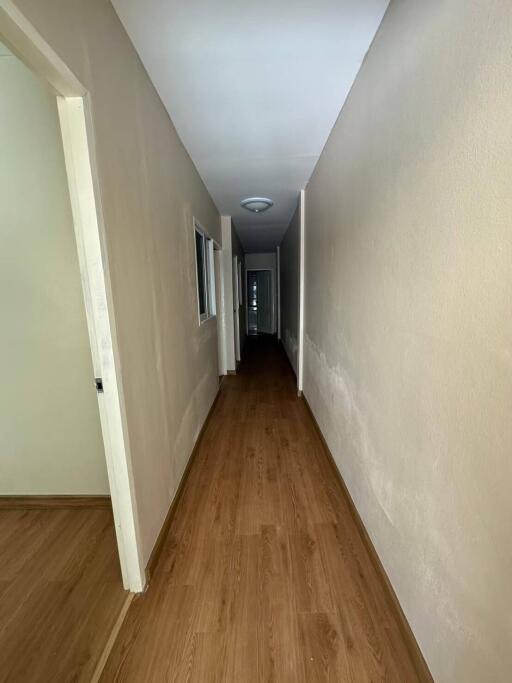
{"x":112,"y":638}
{"x":49,"y":502}
{"x":159,"y":544}
{"x":235,"y":371}
{"x":414,"y":650}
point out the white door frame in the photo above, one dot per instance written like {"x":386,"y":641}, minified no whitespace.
{"x":227,"y":269}
{"x":273,"y":281}
{"x":302,"y":286}
{"x":236,"y":309}
{"x":79,"y":151}
{"x":221,"y":311}
{"x":278,"y":277}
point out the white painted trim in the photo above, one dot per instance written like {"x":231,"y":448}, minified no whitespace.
{"x":302,"y":279}
{"x":239,"y":282}
{"x":79,"y":152}
{"x":202,"y":229}
{"x":221,"y":312}
{"x":212,"y":294}
{"x":227,"y":266}
{"x":89,"y":231}
{"x":246,"y":304}
{"x":278,"y":274}
{"x":236,"y":310}
{"x":18,"y":34}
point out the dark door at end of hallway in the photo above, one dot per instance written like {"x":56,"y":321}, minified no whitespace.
{"x":259,"y":293}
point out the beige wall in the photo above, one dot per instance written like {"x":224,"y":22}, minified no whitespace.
{"x":290,"y":270}
{"x":150,"y":192}
{"x":50,"y":437}
{"x":408,"y":364}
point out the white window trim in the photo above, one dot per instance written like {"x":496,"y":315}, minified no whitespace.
{"x":208,"y":274}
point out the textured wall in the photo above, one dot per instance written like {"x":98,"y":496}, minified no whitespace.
{"x":408,"y":363}
{"x":150,"y":192}
{"x":50,"y":436}
{"x":289,"y":267}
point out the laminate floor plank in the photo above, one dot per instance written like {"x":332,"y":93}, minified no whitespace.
{"x":263,"y":576}
{"x":60,"y":593}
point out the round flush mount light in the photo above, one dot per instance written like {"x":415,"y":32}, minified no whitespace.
{"x":257,"y":204}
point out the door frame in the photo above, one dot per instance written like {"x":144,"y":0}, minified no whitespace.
{"x":278,"y":293}
{"x":273,"y":284}
{"x":221,"y":311}
{"x":74,"y":109}
{"x":236,"y":308}
{"x":302,"y":287}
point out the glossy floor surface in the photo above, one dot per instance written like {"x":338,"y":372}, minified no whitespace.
{"x":263,"y":576}
{"x":60,"y":593}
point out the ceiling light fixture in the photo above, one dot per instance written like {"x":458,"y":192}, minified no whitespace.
{"x":257,"y":204}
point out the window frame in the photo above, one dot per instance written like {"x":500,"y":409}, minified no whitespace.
{"x":208,"y":247}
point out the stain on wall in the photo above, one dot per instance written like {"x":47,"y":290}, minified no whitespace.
{"x":408,"y":363}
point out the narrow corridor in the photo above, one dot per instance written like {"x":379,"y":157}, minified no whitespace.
{"x":263,"y":576}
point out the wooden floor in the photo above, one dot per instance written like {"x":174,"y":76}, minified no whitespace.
{"x":263,"y":576}
{"x":60,"y":593}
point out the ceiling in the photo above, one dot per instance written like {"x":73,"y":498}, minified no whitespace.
{"x":253,"y":89}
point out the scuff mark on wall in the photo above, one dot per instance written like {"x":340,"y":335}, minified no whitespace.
{"x":190,"y":425}
{"x":342,"y":411}
{"x":291,"y":347}
{"x":339,"y":405}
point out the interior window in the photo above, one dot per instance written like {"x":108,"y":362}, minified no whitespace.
{"x":205,"y":275}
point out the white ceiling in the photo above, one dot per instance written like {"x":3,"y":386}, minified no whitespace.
{"x":253,"y":89}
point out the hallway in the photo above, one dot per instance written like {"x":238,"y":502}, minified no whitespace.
{"x":263,"y":575}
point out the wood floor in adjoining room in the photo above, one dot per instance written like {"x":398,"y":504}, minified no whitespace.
{"x":61,"y":593}
{"x":263,"y":575}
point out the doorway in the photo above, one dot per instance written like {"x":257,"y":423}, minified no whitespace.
{"x":72,"y":102}
{"x":59,"y":561}
{"x":260,"y":308}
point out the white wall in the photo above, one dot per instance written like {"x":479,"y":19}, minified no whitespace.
{"x":265,"y":262}
{"x":290,"y":265}
{"x":50,"y":437}
{"x":150,"y":193}
{"x":220,"y":301}
{"x":408,"y":364}
{"x":227,"y":261}
{"x":238,"y":251}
